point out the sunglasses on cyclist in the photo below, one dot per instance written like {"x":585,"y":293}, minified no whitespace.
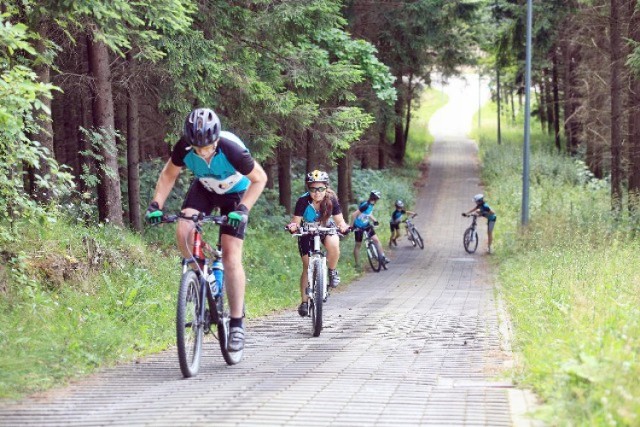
{"x":317,"y":189}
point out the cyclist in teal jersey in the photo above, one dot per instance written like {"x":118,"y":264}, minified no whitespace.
{"x":361,"y":219}
{"x":319,"y":205}
{"x":226,"y":177}
{"x":396,"y":219}
{"x":483,"y":209}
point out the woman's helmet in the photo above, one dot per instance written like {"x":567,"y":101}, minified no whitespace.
{"x":399,"y":204}
{"x":375,"y":195}
{"x":202,"y":127}
{"x":478,"y":198}
{"x":317,"y":176}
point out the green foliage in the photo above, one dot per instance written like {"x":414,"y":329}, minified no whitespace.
{"x":571,"y":281}
{"x":20,"y":95}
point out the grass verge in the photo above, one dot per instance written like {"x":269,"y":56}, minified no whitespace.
{"x":571,"y":281}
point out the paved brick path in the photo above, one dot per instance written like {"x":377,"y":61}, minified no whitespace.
{"x":418,"y":344}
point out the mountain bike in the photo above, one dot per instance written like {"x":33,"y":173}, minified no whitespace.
{"x":200,"y":289}
{"x":412,"y":233}
{"x":376,"y":259}
{"x":470,"y":238}
{"x":317,"y":272}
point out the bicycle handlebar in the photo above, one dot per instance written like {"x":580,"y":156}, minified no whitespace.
{"x":311,"y":230}
{"x":470,"y":215}
{"x":199,"y":217}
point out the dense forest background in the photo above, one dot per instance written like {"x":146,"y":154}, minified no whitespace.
{"x":93,"y":92}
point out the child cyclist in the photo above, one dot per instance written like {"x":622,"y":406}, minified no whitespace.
{"x":361,"y":219}
{"x":320,"y":204}
{"x":483,"y":209}
{"x":396,"y":219}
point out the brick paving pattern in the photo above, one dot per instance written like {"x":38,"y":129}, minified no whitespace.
{"x":418,"y":344}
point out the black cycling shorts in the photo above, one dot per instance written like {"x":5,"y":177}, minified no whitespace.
{"x":359,"y":232}
{"x":394,"y":227}
{"x":305,"y":244}
{"x":203,"y":200}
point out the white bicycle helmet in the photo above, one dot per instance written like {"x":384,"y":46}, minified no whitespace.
{"x":478,"y":198}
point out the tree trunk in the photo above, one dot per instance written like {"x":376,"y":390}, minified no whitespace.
{"x":133,"y":148}
{"x":398,"y":145}
{"x":408,"y":101}
{"x":556,"y":99}
{"x":567,"y":56}
{"x":548,"y":100}
{"x":269,"y":166}
{"x":634,"y":116}
{"x":313,"y":153}
{"x":498,"y":101}
{"x":382,"y":145}
{"x":109,"y":194}
{"x":343,"y":185}
{"x":284,"y":178}
{"x":616,"y":106}
{"x":43,"y":120}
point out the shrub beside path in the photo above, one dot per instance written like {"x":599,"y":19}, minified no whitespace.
{"x":419,"y":344}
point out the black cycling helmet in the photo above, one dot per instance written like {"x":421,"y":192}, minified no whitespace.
{"x":399,"y":204}
{"x":202,"y":127}
{"x":375,"y":195}
{"x":317,"y":176}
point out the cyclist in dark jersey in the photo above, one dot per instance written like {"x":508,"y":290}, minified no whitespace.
{"x":225,"y":176}
{"x":320,"y":204}
{"x":483,"y":209}
{"x":396,"y":219}
{"x":361,"y":219}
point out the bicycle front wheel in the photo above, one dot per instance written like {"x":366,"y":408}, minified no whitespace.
{"x":470,"y":240}
{"x":411,"y":236}
{"x":373,"y":256}
{"x":189,"y":328}
{"x":231,"y":357}
{"x":417,"y":238}
{"x":318,"y":296}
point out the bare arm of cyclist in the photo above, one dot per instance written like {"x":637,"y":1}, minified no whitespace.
{"x":294,"y":225}
{"x":166,"y":181}
{"x":341,"y":223}
{"x":258,"y":179}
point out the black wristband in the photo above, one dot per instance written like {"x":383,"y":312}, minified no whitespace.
{"x":242,"y":208}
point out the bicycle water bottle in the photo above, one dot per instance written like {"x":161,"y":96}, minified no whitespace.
{"x":218,"y":273}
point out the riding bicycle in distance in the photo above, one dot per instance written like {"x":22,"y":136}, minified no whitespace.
{"x":362,"y":219}
{"x":394,"y":224}
{"x":318,"y":205}
{"x":482,"y":209}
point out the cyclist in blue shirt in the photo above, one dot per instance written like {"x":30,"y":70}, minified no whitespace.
{"x":363,"y":219}
{"x":396,"y":219}
{"x":320,"y":205}
{"x":225,"y":176}
{"x":483,"y":209}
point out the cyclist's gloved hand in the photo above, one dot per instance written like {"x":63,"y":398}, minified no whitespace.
{"x":238,"y":217}
{"x":292,"y":227}
{"x":375,"y":223}
{"x":154,"y":213}
{"x":464,"y":214}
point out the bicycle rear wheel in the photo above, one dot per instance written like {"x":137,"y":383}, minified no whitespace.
{"x":417,"y":238}
{"x":189,"y":328}
{"x":470,"y":240}
{"x":222,"y":308}
{"x":316,"y":302}
{"x":373,"y":256}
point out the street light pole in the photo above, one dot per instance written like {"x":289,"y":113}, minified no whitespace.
{"x":527,"y":116}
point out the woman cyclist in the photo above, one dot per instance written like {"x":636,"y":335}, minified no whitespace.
{"x":361,"y":219}
{"x":320,"y":204}
{"x":396,"y":219}
{"x":484,"y":210}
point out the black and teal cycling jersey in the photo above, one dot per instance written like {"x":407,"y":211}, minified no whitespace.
{"x":362,"y":220}
{"x":225,"y":172}
{"x":485,"y":212}
{"x":396,"y":216}
{"x":304,"y":208}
